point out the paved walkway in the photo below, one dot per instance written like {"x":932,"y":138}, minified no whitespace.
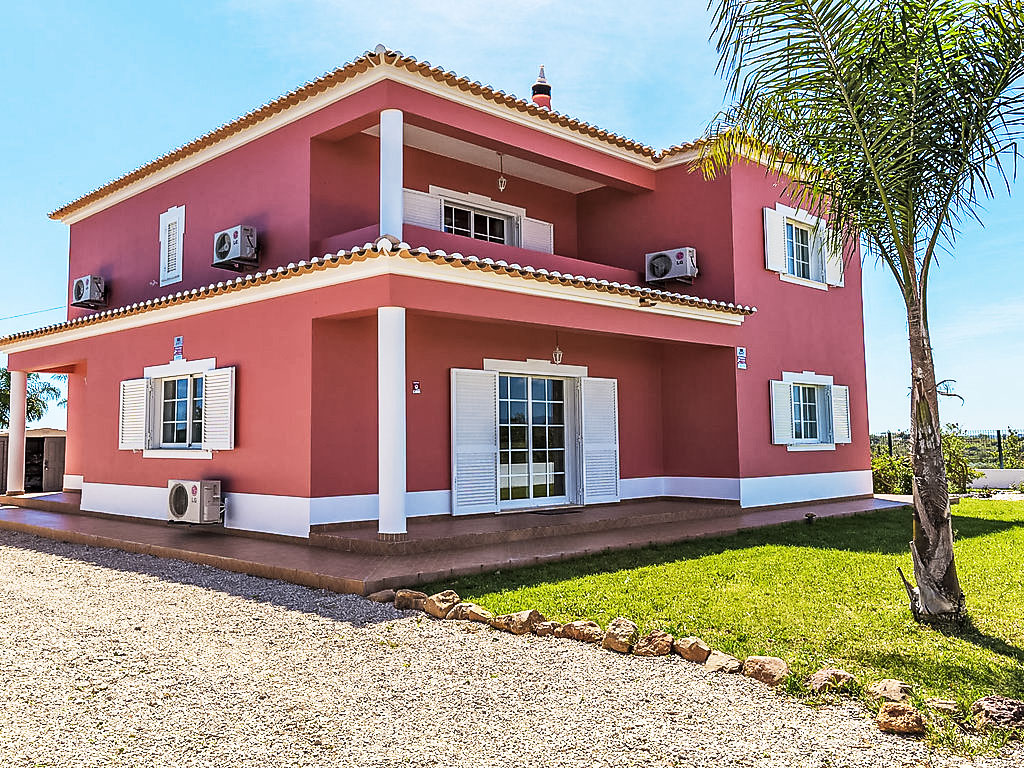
{"x":362,"y":573}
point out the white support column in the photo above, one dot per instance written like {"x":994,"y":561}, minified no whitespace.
{"x":392,"y":148}
{"x":391,"y":476}
{"x":16,"y":434}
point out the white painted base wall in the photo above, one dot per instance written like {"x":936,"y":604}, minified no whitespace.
{"x":293,"y":515}
{"x":793,"y":489}
{"x":999,"y":478}
{"x":73,"y":482}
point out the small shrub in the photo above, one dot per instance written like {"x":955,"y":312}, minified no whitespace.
{"x":892,"y":474}
{"x":959,"y":472}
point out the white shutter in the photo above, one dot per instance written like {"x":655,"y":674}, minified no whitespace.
{"x":422,"y":209}
{"x":474,"y":441}
{"x":536,"y":235}
{"x":599,"y":431}
{"x":133,"y":418}
{"x":172,"y":236}
{"x":782,"y":412}
{"x":841,"y":432}
{"x":219,"y":409}
{"x":774,"y":240}
{"x":835,"y":269}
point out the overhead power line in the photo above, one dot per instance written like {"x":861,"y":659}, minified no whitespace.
{"x":35,"y":312}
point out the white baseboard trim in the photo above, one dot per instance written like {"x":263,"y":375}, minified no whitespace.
{"x":73,"y":482}
{"x":293,"y":515}
{"x":999,"y":478}
{"x":792,"y":489}
{"x":687,"y":487}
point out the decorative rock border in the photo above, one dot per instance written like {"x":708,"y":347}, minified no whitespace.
{"x":895,"y":715}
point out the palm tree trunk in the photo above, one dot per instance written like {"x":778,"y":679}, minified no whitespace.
{"x":938,"y":594}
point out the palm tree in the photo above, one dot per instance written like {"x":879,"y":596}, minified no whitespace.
{"x":40,"y":394}
{"x":894,"y":120}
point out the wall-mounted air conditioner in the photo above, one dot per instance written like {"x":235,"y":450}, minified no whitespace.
{"x":89,"y":291}
{"x":235,"y":248}
{"x":674,"y":264}
{"x":197,"y":502}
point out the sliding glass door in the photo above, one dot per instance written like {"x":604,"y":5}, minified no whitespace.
{"x":532,"y":440}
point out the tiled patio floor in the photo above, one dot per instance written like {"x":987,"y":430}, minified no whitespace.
{"x":362,"y":573}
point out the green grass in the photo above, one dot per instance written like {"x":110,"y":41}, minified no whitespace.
{"x":815,"y":595}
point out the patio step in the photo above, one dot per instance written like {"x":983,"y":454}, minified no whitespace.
{"x":445,"y":533}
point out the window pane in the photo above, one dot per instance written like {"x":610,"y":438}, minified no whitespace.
{"x":517,"y":411}
{"x":519,"y":437}
{"x":503,"y":387}
{"x":180,"y":433}
{"x":517,"y":387}
{"x":197,"y":386}
{"x":181,"y":410}
{"x":169,"y":389}
{"x":557,"y":390}
{"x":539,"y":438}
{"x":503,"y":412}
{"x":557,"y":459}
{"x":538,"y":389}
{"x":169,"y":411}
{"x":539,"y":413}
{"x":181,"y":388}
{"x":556,"y":437}
{"x":505,"y":493}
{"x":555,"y":414}
{"x":503,"y":438}
{"x":519,"y":465}
{"x":168,"y":435}
{"x":557,"y":486}
{"x":496,"y":228}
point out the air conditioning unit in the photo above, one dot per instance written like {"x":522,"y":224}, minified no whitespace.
{"x":235,"y":248}
{"x":194,"y":501}
{"x":88,"y":291}
{"x":675,"y":264}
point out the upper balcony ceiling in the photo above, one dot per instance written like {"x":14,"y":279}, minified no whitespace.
{"x":381,"y":63}
{"x":474,"y":154}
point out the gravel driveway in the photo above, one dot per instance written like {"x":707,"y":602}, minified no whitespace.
{"x":115,"y":659}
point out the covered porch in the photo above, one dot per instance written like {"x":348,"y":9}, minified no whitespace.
{"x":338,"y":558}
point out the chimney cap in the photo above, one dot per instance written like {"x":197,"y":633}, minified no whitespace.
{"x":541,"y":90}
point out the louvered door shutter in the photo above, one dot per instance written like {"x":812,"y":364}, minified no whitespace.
{"x":841,"y":432}
{"x":422,"y":209}
{"x":474,"y":441}
{"x":782,"y":412}
{"x":219,"y":409}
{"x":774,"y":240}
{"x":172,"y":236}
{"x":599,"y":431}
{"x":536,"y":235}
{"x":133,"y":416}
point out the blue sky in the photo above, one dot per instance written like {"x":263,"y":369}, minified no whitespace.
{"x":89,"y":91}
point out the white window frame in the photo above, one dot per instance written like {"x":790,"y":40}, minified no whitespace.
{"x":176,"y":369}
{"x":819,"y":261}
{"x":482,"y":204}
{"x":823,"y":410}
{"x":510,"y":228}
{"x":192,"y":442}
{"x":174,"y":214}
{"x":792,"y":262}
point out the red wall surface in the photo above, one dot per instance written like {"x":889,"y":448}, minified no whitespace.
{"x":797,"y":328}
{"x":619,"y":227}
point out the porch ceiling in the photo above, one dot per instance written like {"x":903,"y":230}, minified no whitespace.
{"x":485,"y":157}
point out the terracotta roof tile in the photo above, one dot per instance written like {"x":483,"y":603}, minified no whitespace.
{"x":370,"y":59}
{"x":374,"y":250}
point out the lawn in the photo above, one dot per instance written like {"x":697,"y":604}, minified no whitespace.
{"x":816,"y":595}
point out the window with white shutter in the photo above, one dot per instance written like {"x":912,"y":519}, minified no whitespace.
{"x":599,"y":432}
{"x":133,"y":416}
{"x":809,"y":412}
{"x":172,"y":237}
{"x":796,"y":245}
{"x":219,"y":409}
{"x":474,"y":441}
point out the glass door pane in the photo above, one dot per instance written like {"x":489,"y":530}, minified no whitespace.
{"x":531,"y":425}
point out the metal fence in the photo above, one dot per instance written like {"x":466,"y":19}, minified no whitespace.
{"x":983,"y":448}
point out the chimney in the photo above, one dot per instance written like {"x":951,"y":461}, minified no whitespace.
{"x":542,"y":91}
